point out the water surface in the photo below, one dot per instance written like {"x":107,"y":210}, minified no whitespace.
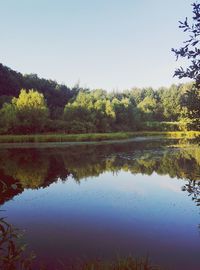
{"x":104,"y":200}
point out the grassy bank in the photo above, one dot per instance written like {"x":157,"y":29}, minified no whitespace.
{"x":89,"y":137}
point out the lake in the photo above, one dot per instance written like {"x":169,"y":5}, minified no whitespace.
{"x":103,"y":200}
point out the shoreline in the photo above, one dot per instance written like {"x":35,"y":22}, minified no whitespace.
{"x":70,"y":144}
{"x":95,"y":137}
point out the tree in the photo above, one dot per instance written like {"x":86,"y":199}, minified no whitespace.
{"x":170,"y":100}
{"x":148,"y":107}
{"x":56,"y":95}
{"x":191,"y":52}
{"x":191,"y":49}
{"x":26,"y":114}
{"x":32,"y":110}
{"x":8,"y":118}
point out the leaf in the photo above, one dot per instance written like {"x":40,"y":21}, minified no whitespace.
{"x":14,"y":186}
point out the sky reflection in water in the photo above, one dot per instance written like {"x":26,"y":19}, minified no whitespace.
{"x":112,"y":199}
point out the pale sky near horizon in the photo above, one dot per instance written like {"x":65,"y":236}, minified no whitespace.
{"x":109,"y":44}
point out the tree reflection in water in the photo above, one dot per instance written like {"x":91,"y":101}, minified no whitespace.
{"x":38,"y":167}
{"x":33,"y":168}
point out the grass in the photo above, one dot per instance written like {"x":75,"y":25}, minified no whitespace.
{"x":12,"y":256}
{"x":126,"y":263}
{"x":94,"y":137}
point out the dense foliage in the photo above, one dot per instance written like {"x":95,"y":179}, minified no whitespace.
{"x":33,"y":105}
{"x":27,"y":113}
{"x":191,"y":52}
{"x":56,"y":95}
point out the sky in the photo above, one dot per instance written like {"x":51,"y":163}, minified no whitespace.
{"x":108,"y":44}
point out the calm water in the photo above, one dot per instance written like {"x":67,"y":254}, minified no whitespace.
{"x":100,"y":201}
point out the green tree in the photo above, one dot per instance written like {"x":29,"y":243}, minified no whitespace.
{"x":26,"y":114}
{"x":32,"y":111}
{"x":8,"y":118}
{"x":148,"y":108}
{"x":191,"y":52}
{"x":80,"y":114}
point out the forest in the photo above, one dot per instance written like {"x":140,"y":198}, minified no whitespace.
{"x":29,"y":105}
{"x":33,"y":105}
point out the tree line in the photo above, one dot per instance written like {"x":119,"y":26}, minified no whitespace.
{"x":29,"y":104}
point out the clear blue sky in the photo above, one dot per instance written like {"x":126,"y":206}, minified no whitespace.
{"x":110,"y":44}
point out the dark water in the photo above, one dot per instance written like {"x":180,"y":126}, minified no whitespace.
{"x":101,"y":201}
